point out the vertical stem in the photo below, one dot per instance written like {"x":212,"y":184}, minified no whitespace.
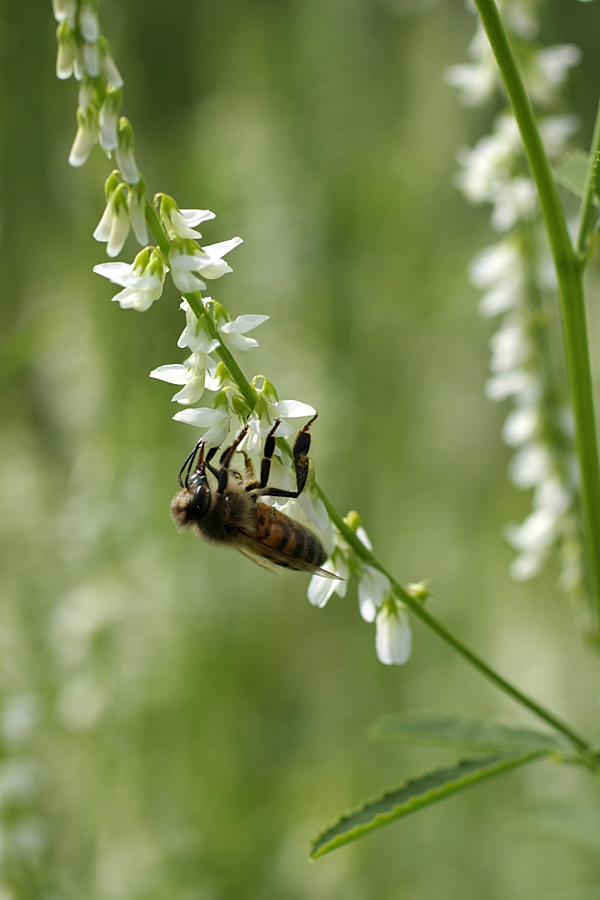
{"x":570,"y":281}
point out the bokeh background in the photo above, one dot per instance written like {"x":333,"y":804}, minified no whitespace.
{"x":177,"y":722}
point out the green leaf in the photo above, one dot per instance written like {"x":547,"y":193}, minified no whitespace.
{"x":444,"y":730}
{"x":571,"y":172}
{"x":413,"y":795}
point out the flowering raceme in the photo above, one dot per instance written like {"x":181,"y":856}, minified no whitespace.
{"x":519,"y":288}
{"x":212,"y":338}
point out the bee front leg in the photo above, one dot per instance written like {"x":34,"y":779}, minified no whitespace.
{"x":226,"y":457}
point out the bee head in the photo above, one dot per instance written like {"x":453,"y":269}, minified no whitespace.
{"x":199,"y":490}
{"x":193,"y":501}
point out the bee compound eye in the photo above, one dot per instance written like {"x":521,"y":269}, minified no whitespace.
{"x":200,"y":502}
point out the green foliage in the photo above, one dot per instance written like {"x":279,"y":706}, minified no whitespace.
{"x":572,"y":172}
{"x":415,"y":794}
{"x":444,"y":730}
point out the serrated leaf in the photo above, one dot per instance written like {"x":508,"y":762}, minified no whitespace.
{"x":413,"y":795}
{"x":448,"y":730}
{"x":571,"y":172}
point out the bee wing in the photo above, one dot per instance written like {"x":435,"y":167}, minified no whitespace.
{"x":269,"y":558}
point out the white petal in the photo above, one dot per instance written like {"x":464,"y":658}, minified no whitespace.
{"x":117,"y":272}
{"x":292,"y":409}
{"x":393,"y":637}
{"x":219,"y":250}
{"x":174,"y":374}
{"x":529,"y":466}
{"x":186,"y":282}
{"x":193,"y":217}
{"x":201,"y":418}
{"x":191,"y":392}
{"x":373,"y":588}
{"x":242,"y":324}
{"x":363,"y":537}
{"x":520,"y":425}
{"x":320,"y":589}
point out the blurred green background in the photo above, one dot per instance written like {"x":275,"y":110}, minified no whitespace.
{"x":177,"y":722}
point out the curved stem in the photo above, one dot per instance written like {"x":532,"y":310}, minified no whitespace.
{"x":570,"y":282}
{"x":446,"y":635}
{"x":249,"y":394}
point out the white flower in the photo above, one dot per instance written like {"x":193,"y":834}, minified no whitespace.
{"x":554,"y":64}
{"x":124,"y":152}
{"x":185,"y":258}
{"x":109,"y":119}
{"x":65,"y":11}
{"x":260,"y":425}
{"x":393,"y":634}
{"x":87,"y":134}
{"x":108,"y":66}
{"x":320,"y":588}
{"x":512,"y":383}
{"x":66,"y":51}
{"x":88,"y":22}
{"x":192,"y":374}
{"x":216,"y":421}
{"x":114,"y":225}
{"x":515,"y":200}
{"x":373,"y":588}
{"x":181,"y":222}
{"x":136,"y":204}
{"x":492,"y":265}
{"x":233,"y":332}
{"x":91,"y":59}
{"x":556,"y":131}
{"x":521,"y":425}
{"x":142,"y":282}
{"x":527,"y":467}
{"x":476,"y":83}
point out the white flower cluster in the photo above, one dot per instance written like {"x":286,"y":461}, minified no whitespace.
{"x":84,"y":53}
{"x":518,"y":286}
{"x":211,"y":337}
{"x":393,"y":634}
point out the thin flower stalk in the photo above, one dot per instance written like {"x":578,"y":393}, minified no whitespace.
{"x":211,"y":340}
{"x":556,"y":453}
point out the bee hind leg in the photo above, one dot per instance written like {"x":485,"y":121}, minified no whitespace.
{"x":301,"y":463}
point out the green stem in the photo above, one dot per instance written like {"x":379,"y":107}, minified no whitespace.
{"x":570,"y":282}
{"x":200,"y":311}
{"x":582,"y":242}
{"x":446,"y":635}
{"x":249,"y":394}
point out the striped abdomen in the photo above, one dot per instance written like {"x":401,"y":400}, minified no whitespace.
{"x":278,"y":533}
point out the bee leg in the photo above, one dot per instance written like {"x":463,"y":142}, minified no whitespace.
{"x":189,"y":462}
{"x":209,"y":456}
{"x":223,"y":473}
{"x":301,"y":464}
{"x":265,"y":465}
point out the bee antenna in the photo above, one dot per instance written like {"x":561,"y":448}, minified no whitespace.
{"x":189,"y":462}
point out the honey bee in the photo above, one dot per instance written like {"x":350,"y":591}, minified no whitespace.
{"x":229,"y":513}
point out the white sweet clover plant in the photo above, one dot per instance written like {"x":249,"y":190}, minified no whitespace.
{"x":519,"y":288}
{"x":212,"y":338}
{"x":516,"y":276}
